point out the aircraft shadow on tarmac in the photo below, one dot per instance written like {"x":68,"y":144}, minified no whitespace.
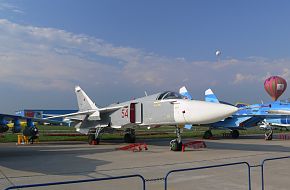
{"x":248,"y":147}
{"x":51,"y":160}
{"x":67,"y":160}
{"x":265,"y":146}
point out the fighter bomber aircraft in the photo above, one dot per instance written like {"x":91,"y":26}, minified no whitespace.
{"x":167,"y":108}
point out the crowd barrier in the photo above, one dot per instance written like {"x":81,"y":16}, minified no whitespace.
{"x":248,"y":168}
{"x":263,"y":168}
{"x":79,"y":181}
{"x":208,"y":167}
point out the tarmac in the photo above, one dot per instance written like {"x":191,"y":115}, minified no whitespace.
{"x":64,"y":161}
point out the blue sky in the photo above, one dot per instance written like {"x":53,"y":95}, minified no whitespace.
{"x":118,"y":49}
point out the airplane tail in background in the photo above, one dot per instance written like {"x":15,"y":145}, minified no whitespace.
{"x":84,"y":102}
{"x":183,"y":91}
{"x":210,"y":96}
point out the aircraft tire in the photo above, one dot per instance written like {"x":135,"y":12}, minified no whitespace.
{"x":97,"y":140}
{"x":129,"y":138}
{"x":269,"y":135}
{"x":235,"y":134}
{"x":4,"y":129}
{"x":92,"y":140}
{"x":207,"y":134}
{"x":175,"y":145}
{"x":133,"y":139}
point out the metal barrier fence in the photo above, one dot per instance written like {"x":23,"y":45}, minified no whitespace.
{"x":212,"y":166}
{"x":262,"y":165}
{"x":78,"y":181}
{"x":263,"y":168}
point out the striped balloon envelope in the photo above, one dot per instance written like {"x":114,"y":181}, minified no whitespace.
{"x":275,"y":86}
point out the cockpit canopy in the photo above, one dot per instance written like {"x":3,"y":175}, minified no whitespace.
{"x":169,"y":95}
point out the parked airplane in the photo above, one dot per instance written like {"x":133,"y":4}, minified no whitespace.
{"x":266,"y":116}
{"x":14,"y":122}
{"x":17,"y":122}
{"x":167,"y":108}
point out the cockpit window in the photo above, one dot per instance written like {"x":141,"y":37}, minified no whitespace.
{"x":161,"y":95}
{"x":169,"y":95}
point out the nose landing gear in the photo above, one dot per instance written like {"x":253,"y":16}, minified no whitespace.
{"x":176,"y":144}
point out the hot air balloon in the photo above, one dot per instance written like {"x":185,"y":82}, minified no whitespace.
{"x":275,"y":86}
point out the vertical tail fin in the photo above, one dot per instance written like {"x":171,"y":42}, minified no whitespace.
{"x":210,"y":96}
{"x":183,"y":91}
{"x":84,"y":102}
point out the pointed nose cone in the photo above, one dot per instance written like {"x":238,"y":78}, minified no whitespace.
{"x":200,"y":112}
{"x":214,"y":112}
{"x":227,"y":110}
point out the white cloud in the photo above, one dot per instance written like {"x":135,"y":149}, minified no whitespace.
{"x":286,"y":74}
{"x":35,"y":57}
{"x":240,"y":78}
{"x":47,"y":58}
{"x":225,"y":63}
{"x":5,"y":6}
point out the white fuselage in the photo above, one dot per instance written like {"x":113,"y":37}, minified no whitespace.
{"x":200,"y":112}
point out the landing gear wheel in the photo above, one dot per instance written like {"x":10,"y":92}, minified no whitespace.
{"x":207,"y":134}
{"x":97,"y":140}
{"x":129,"y":138}
{"x":93,"y":140}
{"x":235,"y":134}
{"x":269,"y":135}
{"x":175,"y":145}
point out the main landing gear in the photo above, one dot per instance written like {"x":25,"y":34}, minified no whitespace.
{"x":234,"y":134}
{"x":286,"y":129}
{"x":94,"y":136}
{"x":129,"y":136}
{"x":207,"y":134}
{"x":176,"y":144}
{"x":269,"y":135}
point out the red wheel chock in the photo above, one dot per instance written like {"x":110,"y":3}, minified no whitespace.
{"x":194,"y":145}
{"x":134,"y":147}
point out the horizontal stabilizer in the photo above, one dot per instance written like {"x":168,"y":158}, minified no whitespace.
{"x":88,"y":112}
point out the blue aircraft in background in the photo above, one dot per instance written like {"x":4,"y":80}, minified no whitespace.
{"x":16,"y":122}
{"x":267,"y":116}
